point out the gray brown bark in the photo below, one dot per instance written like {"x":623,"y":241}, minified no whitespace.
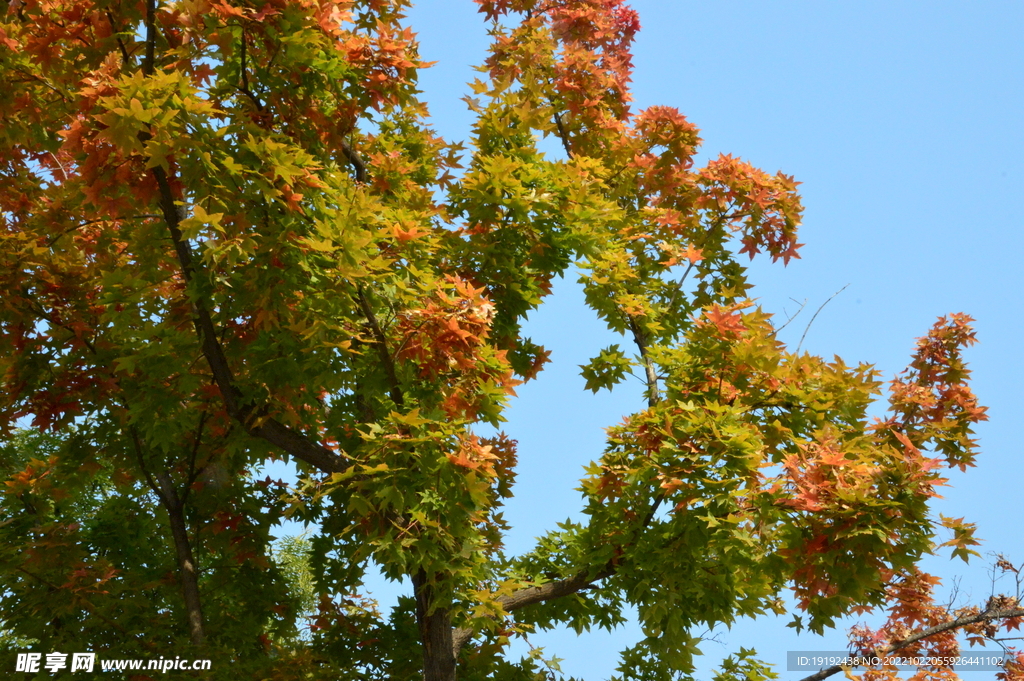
{"x":435,"y":624}
{"x":188,"y":573}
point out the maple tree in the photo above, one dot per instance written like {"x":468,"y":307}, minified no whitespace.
{"x":230,"y":236}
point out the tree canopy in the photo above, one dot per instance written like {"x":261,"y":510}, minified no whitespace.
{"x":230,"y":236}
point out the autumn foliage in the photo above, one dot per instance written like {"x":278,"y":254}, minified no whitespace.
{"x":228,"y":235}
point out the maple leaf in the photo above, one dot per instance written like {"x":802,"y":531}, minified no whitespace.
{"x":728,"y":322}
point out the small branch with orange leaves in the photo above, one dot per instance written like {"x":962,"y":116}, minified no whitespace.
{"x":957,"y":623}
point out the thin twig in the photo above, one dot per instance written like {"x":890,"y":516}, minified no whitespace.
{"x":137,"y":445}
{"x":816,"y":316}
{"x":59,"y":165}
{"x":794,"y":315}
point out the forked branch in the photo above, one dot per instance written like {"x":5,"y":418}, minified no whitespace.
{"x":255,"y":421}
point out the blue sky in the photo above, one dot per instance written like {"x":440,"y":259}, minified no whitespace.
{"x":904,"y":123}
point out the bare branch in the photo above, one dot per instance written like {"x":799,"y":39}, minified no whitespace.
{"x":816,"y":316}
{"x":794,"y":315}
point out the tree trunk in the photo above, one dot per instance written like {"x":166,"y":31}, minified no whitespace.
{"x":435,"y":632}
{"x":188,"y":574}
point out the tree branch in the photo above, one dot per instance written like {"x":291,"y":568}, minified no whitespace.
{"x":186,"y":559}
{"x":537,"y":594}
{"x":56,"y":238}
{"x":150,"y":60}
{"x":716,"y":224}
{"x":355,"y":160}
{"x":794,"y":315}
{"x":382,"y":348}
{"x":126,"y":58}
{"x":244,"y":87}
{"x":639,"y":337}
{"x":987,"y":616}
{"x":808,"y":328}
{"x":193,"y":474}
{"x":562,"y":135}
{"x":563,"y":587}
{"x":254,"y":421}
{"x":165,"y":490}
